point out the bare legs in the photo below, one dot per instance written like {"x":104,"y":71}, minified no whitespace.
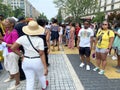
{"x":101,"y":59}
{"x":55,"y":41}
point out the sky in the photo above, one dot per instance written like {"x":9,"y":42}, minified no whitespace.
{"x":45,"y":6}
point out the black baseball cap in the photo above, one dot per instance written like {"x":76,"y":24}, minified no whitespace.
{"x":21,"y":18}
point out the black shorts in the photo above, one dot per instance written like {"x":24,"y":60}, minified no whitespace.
{"x":85,"y":51}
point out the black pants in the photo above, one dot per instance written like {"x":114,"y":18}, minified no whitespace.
{"x":76,"y":38}
{"x":22,"y":75}
{"x":46,"y":55}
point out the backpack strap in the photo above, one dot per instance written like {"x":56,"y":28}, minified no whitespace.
{"x":32,"y":44}
{"x":108,"y":32}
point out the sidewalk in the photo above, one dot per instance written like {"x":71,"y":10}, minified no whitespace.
{"x":61,"y":75}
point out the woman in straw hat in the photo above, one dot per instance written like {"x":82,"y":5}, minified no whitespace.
{"x":33,"y":59}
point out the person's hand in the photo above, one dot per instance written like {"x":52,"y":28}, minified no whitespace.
{"x":22,"y":57}
{"x":46,"y":72}
{"x":107,"y":50}
{"x":48,"y":51}
{"x":116,"y":32}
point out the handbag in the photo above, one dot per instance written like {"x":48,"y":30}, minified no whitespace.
{"x":32,"y":44}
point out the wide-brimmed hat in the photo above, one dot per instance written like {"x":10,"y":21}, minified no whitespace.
{"x":33,"y":28}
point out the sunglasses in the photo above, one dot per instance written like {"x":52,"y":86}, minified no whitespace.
{"x":104,"y":24}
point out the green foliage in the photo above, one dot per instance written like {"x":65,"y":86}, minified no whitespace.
{"x":5,"y":10}
{"x":59,"y":16}
{"x":43,"y":16}
{"x":76,"y":8}
{"x":99,"y":17}
{"x":18,"y":12}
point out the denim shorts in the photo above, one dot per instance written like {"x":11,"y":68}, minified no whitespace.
{"x":100,"y":50}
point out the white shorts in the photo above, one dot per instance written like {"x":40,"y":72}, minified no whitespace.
{"x":11,"y":63}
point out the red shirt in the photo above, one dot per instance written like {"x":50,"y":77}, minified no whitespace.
{"x":77,"y":30}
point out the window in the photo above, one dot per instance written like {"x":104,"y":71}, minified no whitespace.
{"x":112,"y":7}
{"x":104,"y":8}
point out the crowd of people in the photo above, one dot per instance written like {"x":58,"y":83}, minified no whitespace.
{"x":25,"y":46}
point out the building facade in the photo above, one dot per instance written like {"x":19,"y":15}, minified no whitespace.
{"x":25,"y":5}
{"x":30,"y":11}
{"x":106,"y":6}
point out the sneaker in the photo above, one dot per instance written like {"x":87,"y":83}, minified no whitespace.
{"x":87,"y":67}
{"x":108,"y":54}
{"x":82,"y":64}
{"x":101,"y":72}
{"x":96,"y":68}
{"x":118,"y":71}
{"x":46,"y":85}
{"x":14,"y":87}
{"x":8,"y":80}
{"x":117,"y":67}
{"x":114,"y":57}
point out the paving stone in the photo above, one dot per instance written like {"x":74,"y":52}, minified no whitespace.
{"x":59,"y":76}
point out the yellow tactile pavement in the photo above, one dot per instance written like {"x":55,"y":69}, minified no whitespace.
{"x":110,"y":71}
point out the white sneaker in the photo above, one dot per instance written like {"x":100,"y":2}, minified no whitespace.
{"x":8,"y":80}
{"x":14,"y":87}
{"x":87,"y":67}
{"x":96,"y":68}
{"x":82,"y":64}
{"x":114,"y":57}
{"x":101,"y":72}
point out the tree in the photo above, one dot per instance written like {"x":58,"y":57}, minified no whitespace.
{"x":18,"y":12}
{"x":76,"y":8}
{"x":59,"y":16}
{"x":99,"y":17}
{"x":5,"y":10}
{"x":43,"y":16}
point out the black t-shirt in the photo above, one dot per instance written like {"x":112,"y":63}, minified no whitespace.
{"x":19,"y":27}
{"x":44,"y":39}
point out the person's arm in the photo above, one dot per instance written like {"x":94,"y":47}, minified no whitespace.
{"x":48,"y":39}
{"x":118,"y":34}
{"x":110,"y":42}
{"x":95,"y":43}
{"x":91,"y":42}
{"x":1,"y":37}
{"x":42,"y":56}
{"x":78,"y":41}
{"x":14,"y":48}
{"x":111,"y":39}
{"x":5,"y":44}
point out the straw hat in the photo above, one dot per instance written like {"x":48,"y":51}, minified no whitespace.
{"x":33,"y":29}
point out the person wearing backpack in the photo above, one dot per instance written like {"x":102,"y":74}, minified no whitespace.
{"x":103,"y":43}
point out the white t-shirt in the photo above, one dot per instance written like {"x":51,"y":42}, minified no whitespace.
{"x":85,"y":35}
{"x":29,"y":50}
